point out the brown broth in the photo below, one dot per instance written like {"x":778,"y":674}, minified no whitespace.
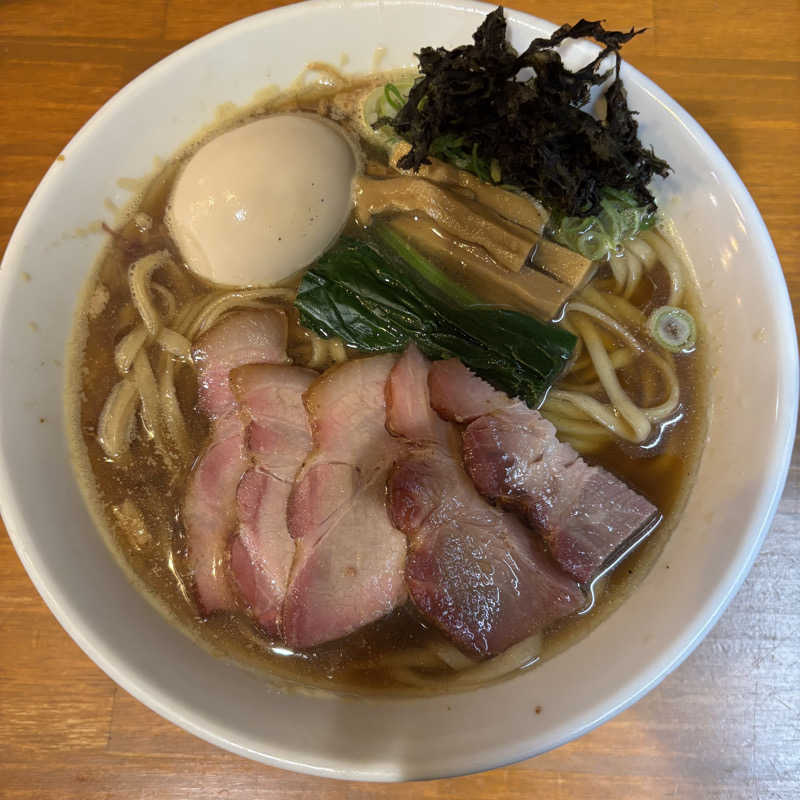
{"x":153,"y":549}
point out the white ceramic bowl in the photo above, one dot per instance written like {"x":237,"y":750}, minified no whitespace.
{"x":754,"y":390}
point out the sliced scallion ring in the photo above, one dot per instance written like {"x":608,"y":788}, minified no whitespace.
{"x":384,"y":102}
{"x":673,"y":328}
{"x":394,"y":97}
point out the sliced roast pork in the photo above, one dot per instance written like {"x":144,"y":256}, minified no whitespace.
{"x":348,"y":568}
{"x":243,"y":337}
{"x":474,"y":571}
{"x":408,"y":408}
{"x":209,"y":508}
{"x":458,"y":395}
{"x":279,"y":436}
{"x":583,"y":512}
{"x":278,"y":439}
{"x":209,"y":511}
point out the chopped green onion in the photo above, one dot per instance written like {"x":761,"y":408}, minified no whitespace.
{"x":394,"y":97}
{"x":479,"y":165}
{"x":594,"y":237}
{"x":673,"y":328}
{"x":453,"y":150}
{"x":380,"y":105}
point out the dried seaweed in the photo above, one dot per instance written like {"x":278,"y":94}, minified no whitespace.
{"x":472,"y":106}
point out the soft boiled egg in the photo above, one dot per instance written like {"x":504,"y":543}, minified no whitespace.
{"x":263,"y":200}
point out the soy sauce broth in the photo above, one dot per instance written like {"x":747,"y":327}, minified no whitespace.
{"x":136,"y":501}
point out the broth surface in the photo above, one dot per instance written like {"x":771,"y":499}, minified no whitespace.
{"x":137,"y":501}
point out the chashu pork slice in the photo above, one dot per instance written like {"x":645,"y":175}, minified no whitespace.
{"x":209,"y":512}
{"x":583,"y":513}
{"x":242,"y":337}
{"x":209,"y":507}
{"x":474,"y":571}
{"x":348,"y":567}
{"x":279,"y":440}
{"x":458,"y":395}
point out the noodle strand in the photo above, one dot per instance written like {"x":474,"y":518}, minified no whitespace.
{"x":589,"y":406}
{"x":115,"y":426}
{"x":139,"y":282}
{"x":639,"y":425}
{"x":128,"y":348}
{"x":145,"y":382}
{"x":672,"y":264}
{"x":173,"y":417}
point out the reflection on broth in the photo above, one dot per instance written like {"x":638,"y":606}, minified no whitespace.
{"x":622,"y":400}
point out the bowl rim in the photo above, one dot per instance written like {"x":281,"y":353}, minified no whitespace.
{"x":767,"y":500}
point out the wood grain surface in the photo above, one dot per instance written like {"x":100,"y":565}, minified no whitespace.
{"x":726,"y":724}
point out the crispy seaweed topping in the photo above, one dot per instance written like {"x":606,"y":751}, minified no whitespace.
{"x":471,"y":106}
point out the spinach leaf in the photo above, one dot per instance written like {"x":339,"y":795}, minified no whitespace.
{"x":379,"y":295}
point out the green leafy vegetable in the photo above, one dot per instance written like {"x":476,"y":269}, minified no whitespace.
{"x":377,"y":296}
{"x":471,"y":107}
{"x":424,"y":268}
{"x":594,"y":237}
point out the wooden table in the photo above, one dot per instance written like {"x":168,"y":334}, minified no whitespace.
{"x":726,"y":724}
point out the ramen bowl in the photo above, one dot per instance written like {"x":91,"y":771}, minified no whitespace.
{"x":752,"y":354}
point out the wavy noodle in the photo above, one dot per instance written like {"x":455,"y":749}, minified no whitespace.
{"x":211,"y":308}
{"x":319,"y":352}
{"x":335,"y":79}
{"x":638,"y":426}
{"x":452,"y":656}
{"x":587,"y":446}
{"x":640,"y":248}
{"x":589,"y":406}
{"x":115,"y":426}
{"x":415,"y":658}
{"x":175,"y":343}
{"x":601,"y":412}
{"x":600,"y":300}
{"x":622,"y":357}
{"x":620,"y":307}
{"x":139,"y":275}
{"x":562,"y":408}
{"x":172,"y":332}
{"x":465,"y":671}
{"x":145,"y":382}
{"x":609,"y":323}
{"x":635,"y":270}
{"x":337,"y":351}
{"x":518,"y":656}
{"x":668,"y":407}
{"x":128,"y":348}
{"x":171,"y":409}
{"x":167,"y":298}
{"x":671,"y":263}
{"x":323,"y":352}
{"x":619,"y":269}
{"x":568,"y":425}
